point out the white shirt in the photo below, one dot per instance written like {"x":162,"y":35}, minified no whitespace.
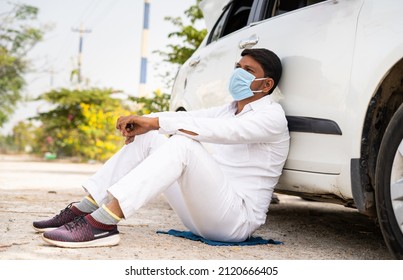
{"x":251,"y":146}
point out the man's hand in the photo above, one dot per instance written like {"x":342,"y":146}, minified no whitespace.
{"x":130,"y":126}
{"x":129,"y":139}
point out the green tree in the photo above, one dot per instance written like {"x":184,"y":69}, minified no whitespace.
{"x":6,"y":144}
{"x":81,"y":123}
{"x":24,"y":136}
{"x":188,"y":36}
{"x":158,"y":102}
{"x":17,"y":38}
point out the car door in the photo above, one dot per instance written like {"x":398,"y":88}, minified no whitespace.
{"x":315,"y":40}
{"x":316,"y":45}
{"x":203,"y":80}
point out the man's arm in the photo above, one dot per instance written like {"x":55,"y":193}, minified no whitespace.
{"x":262,"y":127}
{"x":132,"y":125}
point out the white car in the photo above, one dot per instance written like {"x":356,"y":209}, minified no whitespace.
{"x":342,"y":91}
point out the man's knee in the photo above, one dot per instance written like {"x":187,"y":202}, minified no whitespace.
{"x":184,"y":143}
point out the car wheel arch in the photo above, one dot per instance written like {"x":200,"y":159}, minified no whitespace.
{"x":382,"y":106}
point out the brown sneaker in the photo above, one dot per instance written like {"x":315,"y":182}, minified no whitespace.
{"x":65,"y":216}
{"x":83,"y":232}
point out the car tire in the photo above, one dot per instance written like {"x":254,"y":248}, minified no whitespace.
{"x":389,"y":185}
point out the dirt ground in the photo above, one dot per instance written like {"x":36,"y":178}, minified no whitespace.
{"x":32,"y":190}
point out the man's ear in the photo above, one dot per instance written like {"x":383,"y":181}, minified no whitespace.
{"x":268,"y":85}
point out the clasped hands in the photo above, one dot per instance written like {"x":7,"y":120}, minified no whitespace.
{"x":130,"y":126}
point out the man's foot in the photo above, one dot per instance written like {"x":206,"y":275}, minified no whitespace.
{"x":65,"y":216}
{"x":83,"y":232}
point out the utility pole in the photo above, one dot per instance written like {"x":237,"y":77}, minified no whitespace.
{"x":144,"y":49}
{"x":81,"y":32}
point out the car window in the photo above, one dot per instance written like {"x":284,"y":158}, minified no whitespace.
{"x":235,"y":16}
{"x":284,"y":6}
{"x":218,"y":28}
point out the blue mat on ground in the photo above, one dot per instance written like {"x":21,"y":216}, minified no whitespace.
{"x":249,"y":242}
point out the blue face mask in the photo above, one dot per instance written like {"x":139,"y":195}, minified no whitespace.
{"x":239,"y":84}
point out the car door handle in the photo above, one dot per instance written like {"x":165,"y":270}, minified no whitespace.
{"x":194,"y":61}
{"x":248,"y":43}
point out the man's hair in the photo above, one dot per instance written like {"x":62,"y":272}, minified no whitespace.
{"x":269,"y":61}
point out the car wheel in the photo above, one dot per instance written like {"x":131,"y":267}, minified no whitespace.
{"x":389,"y":185}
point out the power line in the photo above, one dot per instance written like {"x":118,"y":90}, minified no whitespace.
{"x":103,"y":14}
{"x":89,"y":10}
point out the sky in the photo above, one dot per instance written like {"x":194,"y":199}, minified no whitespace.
{"x":111,"y":50}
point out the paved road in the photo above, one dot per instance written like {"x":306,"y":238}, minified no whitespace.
{"x":31,"y":190}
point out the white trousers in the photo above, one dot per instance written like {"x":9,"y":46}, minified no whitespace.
{"x":181,"y":169}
